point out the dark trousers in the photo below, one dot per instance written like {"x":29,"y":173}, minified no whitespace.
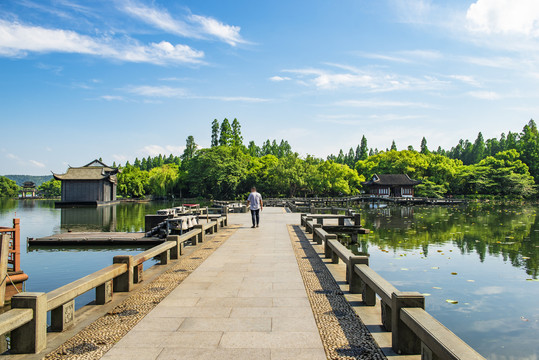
{"x":255,"y":214}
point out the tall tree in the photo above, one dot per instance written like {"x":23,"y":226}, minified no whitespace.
{"x":363,"y":149}
{"x":237,"y":139}
{"x":424,"y":148}
{"x":478,"y":150}
{"x":393,"y":146}
{"x":225,"y":138}
{"x":215,"y":133}
{"x":253,"y":150}
{"x":190,"y":149}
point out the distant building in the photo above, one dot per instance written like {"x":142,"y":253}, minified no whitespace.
{"x":28,"y":189}
{"x":91,"y":184}
{"x":395,"y":185}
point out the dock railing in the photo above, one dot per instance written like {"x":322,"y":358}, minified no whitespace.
{"x":413,"y":330}
{"x":27,"y":319}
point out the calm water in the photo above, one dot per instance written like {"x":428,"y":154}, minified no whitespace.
{"x":483,"y":256}
{"x":48,"y":267}
{"x":492,"y":249}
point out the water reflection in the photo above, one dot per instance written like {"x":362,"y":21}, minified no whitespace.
{"x":484,"y":256}
{"x":509,"y":232}
{"x":100,"y":219}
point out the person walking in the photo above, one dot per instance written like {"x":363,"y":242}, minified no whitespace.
{"x":254,"y":201}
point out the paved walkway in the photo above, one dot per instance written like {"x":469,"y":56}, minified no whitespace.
{"x":246,"y":301}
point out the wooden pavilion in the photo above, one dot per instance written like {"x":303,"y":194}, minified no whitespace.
{"x":91,"y":184}
{"x":391,"y":185}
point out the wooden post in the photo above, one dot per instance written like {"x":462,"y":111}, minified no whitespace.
{"x":16,"y":250}
{"x":4,"y":254}
{"x":357,"y":219}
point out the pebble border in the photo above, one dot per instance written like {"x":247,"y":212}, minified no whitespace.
{"x":96,"y":339}
{"x":342,"y":332}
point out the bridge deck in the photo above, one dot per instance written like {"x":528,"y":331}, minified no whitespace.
{"x":246,"y":301}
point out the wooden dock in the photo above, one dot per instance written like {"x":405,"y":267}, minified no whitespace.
{"x":96,"y":238}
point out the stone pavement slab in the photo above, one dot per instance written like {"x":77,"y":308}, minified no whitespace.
{"x":246,"y":301}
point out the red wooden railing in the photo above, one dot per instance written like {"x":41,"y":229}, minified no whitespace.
{"x":14,"y":233}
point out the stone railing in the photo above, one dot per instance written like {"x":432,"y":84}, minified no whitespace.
{"x":413,"y":330}
{"x":27,"y":319}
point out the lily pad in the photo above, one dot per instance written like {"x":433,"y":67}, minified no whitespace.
{"x":451,"y":301}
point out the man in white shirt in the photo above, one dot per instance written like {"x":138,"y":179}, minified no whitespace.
{"x":254,"y":201}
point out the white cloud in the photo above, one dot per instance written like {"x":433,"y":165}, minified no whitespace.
{"x":234,"y":98}
{"x":279,"y":78}
{"x":227,"y":33}
{"x":504,"y":17}
{"x":112,"y":98}
{"x":37,"y":163}
{"x":485,"y":95}
{"x":370,"y":80}
{"x":470,"y":80}
{"x":12,"y":156}
{"x":155,"y":150}
{"x":159,"y":18}
{"x":198,"y":26}
{"x":174,"y":92}
{"x":156,"y":91}
{"x":381,"y":104}
{"x":16,"y":40}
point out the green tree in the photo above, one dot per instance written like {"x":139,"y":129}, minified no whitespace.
{"x":393,"y":146}
{"x":215,"y":133}
{"x":226,"y":136}
{"x":190,"y":149}
{"x":133,"y":182}
{"x":237,"y":139}
{"x":162,"y":181}
{"x":217,"y":172}
{"x":8,"y":188}
{"x":51,"y":188}
{"x":424,"y":148}
{"x":363,"y":149}
{"x":253,"y":150}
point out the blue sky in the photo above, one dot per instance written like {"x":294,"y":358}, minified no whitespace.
{"x":120,"y":79}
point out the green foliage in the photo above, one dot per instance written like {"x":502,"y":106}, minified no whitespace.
{"x":226,"y":136}
{"x":8,"y":188}
{"x":21,"y":179}
{"x":163,"y":180}
{"x":228,"y":169}
{"x":216,"y":172}
{"x":214,"y":133}
{"x":51,"y":188}
{"x":133,"y":182}
{"x":190,"y":149}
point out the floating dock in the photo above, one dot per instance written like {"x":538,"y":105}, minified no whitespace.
{"x":96,"y":238}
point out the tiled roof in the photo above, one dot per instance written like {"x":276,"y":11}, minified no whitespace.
{"x":391,"y":180}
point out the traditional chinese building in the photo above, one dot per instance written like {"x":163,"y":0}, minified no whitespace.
{"x":91,"y":184}
{"x":28,"y":189}
{"x":395,"y":185}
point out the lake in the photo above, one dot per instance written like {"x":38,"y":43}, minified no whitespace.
{"x":485,"y":257}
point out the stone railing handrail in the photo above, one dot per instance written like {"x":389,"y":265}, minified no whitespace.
{"x":27,"y":320}
{"x":414,"y":331}
{"x":14,"y":318}
{"x":68,"y":292}
{"x":438,"y":339}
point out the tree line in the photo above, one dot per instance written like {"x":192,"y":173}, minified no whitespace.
{"x":508,"y":166}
